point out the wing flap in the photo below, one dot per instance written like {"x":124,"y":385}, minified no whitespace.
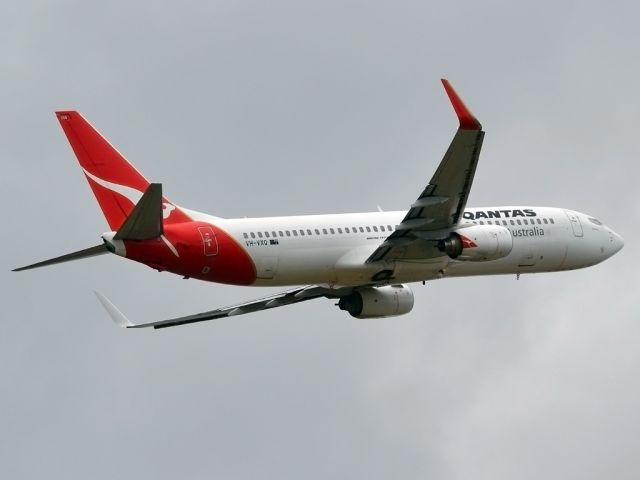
{"x":451,"y":183}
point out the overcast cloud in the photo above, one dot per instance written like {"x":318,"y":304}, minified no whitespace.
{"x":252,"y":108}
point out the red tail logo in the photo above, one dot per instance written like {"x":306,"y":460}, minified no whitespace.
{"x":116,"y":184}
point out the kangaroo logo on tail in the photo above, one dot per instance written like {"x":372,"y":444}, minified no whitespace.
{"x":167,"y":208}
{"x":116,"y":184}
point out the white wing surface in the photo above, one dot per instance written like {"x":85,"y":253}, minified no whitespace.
{"x":272,"y":301}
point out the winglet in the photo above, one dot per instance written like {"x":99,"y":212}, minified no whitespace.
{"x":116,"y":315}
{"x":467,"y":120}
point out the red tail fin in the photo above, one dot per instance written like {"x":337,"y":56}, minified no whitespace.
{"x":117,"y":185}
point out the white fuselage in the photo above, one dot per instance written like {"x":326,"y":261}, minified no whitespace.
{"x":332,"y":249}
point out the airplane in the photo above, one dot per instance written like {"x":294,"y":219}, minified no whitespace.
{"x":364,"y":261}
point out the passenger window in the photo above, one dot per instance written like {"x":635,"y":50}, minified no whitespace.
{"x":324,"y":230}
{"x":368,"y":229}
{"x":245,"y":235}
{"x":382,"y":228}
{"x":309,"y":232}
{"x":481,"y":222}
{"x":317,"y":232}
{"x":504,"y":222}
{"x":266,"y":234}
{"x":526,"y":222}
{"x":302,"y":232}
{"x":280,"y":233}
{"x":375,"y":229}
{"x":253,"y":235}
{"x":362,"y":229}
{"x":551,"y":220}
{"x":346,"y":230}
{"x":545,"y":221}
{"x":512,"y":222}
{"x":339,"y":230}
{"x":332,"y":231}
{"x":295,"y":233}
{"x":389,"y":228}
{"x":518,"y":222}
{"x":539,"y":221}
{"x":273,"y":234}
{"x":260,"y":234}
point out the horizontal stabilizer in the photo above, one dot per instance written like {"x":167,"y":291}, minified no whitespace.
{"x":87,"y":252}
{"x":145,"y":220}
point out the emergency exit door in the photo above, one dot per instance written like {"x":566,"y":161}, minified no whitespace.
{"x":209,"y":241}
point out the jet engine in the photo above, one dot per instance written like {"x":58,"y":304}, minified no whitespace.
{"x":477,"y":243}
{"x":371,"y":302}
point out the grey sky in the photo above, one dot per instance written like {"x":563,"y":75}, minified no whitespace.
{"x":290,"y":107}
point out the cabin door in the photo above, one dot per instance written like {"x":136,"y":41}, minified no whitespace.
{"x":575,"y":223}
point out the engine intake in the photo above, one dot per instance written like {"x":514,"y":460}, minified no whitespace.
{"x":478,"y":243}
{"x":378,"y":302}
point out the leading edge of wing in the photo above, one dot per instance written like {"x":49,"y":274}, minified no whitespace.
{"x":467,"y":120}
{"x":279,"y":299}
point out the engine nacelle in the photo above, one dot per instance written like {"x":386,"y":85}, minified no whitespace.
{"x":370,"y":302}
{"x":478,"y":243}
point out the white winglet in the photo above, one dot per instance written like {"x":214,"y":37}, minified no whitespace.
{"x":116,"y":315}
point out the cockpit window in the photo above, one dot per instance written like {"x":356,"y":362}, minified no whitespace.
{"x":595,"y":221}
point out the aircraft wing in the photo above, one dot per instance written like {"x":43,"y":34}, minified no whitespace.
{"x":441,"y":204}
{"x":272,"y":301}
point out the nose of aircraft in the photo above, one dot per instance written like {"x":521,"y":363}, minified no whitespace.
{"x":616,"y":242}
